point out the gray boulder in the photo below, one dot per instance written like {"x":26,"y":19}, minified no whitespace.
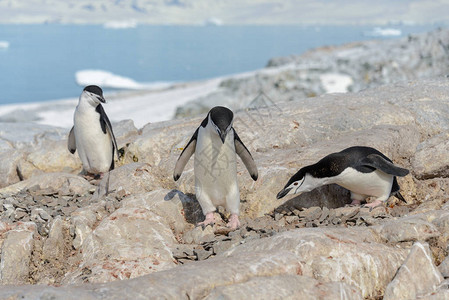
{"x":16,"y":255}
{"x":416,"y":277}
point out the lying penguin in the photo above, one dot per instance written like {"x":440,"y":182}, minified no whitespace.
{"x":215,"y":144}
{"x":364,"y":171}
{"x":92,"y":133}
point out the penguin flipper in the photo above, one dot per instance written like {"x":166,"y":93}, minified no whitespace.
{"x":106,"y":127}
{"x":245,"y":156}
{"x":379,"y":162}
{"x":185,"y":155}
{"x":71,"y":145}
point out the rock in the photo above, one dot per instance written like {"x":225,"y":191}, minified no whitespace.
{"x":311,"y":213}
{"x":442,"y":294}
{"x":197,"y":234}
{"x":54,"y":245}
{"x":83,"y":221}
{"x":8,"y":167}
{"x":444,"y":268}
{"x":413,"y":228}
{"x":417,"y":276}
{"x":132,"y":178}
{"x":44,"y":291}
{"x":124,"y":131}
{"x":222,"y":246}
{"x":202,"y":254}
{"x":189,"y":278}
{"x":131,"y":242}
{"x":431,"y":158}
{"x":285,"y":287}
{"x":291,"y":219}
{"x":324,"y":214}
{"x":335,"y":254}
{"x":39,"y":214}
{"x":173,"y":206}
{"x":183,"y":251}
{"x":168,"y":136}
{"x":75,"y":184}
{"x":51,"y":156}
{"x":16,"y":255}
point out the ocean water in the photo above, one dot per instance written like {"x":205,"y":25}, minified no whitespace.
{"x":39,"y":62}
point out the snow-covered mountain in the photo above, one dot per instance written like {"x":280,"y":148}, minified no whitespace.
{"x":200,"y":12}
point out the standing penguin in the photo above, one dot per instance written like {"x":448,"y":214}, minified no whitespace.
{"x":92,"y":133}
{"x":215,"y":144}
{"x":364,"y":171}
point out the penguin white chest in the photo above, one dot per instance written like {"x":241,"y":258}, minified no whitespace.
{"x":215,"y":168}
{"x":93,"y":145}
{"x":377,"y":183}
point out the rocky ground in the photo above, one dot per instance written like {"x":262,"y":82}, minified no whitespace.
{"x":132,"y":234}
{"x":350,"y":67}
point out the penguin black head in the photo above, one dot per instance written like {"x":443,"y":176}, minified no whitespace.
{"x":302,"y":181}
{"x":221,"y":118}
{"x":293,"y":184}
{"x":95,"y":92}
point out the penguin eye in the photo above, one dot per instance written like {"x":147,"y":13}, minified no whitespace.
{"x":296,"y":183}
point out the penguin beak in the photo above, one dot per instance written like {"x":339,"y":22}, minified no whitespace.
{"x":102,"y":100}
{"x":283,"y":193}
{"x":222,"y":135}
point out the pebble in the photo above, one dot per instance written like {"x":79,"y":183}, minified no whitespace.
{"x":202,"y":254}
{"x":291,"y":219}
{"x":277,"y":216}
{"x":311,"y":214}
{"x":324,"y":214}
{"x":20,"y":213}
{"x":42,"y":206}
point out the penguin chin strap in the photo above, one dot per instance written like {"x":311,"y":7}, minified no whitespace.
{"x":296,"y":190}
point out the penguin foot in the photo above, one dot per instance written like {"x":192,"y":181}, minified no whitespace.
{"x":373,"y":204}
{"x":210,"y":220}
{"x":354,"y":203}
{"x":234,"y":222}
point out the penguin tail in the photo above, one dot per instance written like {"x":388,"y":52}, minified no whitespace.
{"x":399,"y":196}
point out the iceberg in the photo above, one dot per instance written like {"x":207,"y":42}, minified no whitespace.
{"x":105,"y":79}
{"x":378,"y":31}
{"x":110,"y":80}
{"x":213,"y":22}
{"x":120,"y":24}
{"x":4,"y":45}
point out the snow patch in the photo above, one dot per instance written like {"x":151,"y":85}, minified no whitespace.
{"x":140,"y":106}
{"x":336,"y":83}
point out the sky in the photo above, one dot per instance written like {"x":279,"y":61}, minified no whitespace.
{"x":197,"y":12}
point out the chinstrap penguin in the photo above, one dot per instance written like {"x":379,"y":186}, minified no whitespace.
{"x":92,"y":133}
{"x":215,"y":144}
{"x":364,"y":171}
